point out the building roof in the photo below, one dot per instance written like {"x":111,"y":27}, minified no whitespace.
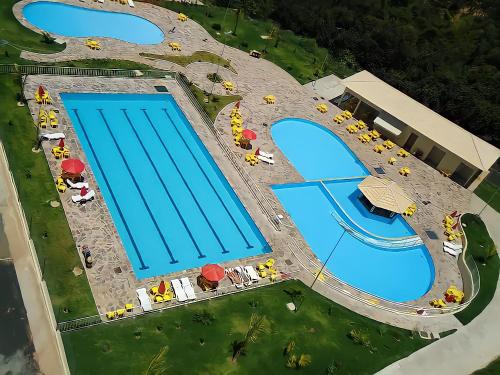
{"x":328,"y":87}
{"x":449,"y":135}
{"x":385,"y":194}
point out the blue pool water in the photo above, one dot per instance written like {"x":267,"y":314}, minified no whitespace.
{"x":315,"y":151}
{"x":399,"y":275}
{"x":171,"y":204}
{"x":73,"y":21}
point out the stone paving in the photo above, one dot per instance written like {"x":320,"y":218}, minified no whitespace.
{"x":255,"y":79}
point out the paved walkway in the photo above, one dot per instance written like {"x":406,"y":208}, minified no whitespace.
{"x":473,"y":346}
{"x":43,"y":333}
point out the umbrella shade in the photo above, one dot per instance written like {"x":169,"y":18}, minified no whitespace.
{"x":83,"y":191}
{"x":162,"y":288}
{"x":41,"y":91}
{"x":385,"y":194}
{"x":212,"y":272}
{"x":61,"y":143}
{"x":249,"y":134}
{"x":73,"y":166}
{"x":237,"y":105}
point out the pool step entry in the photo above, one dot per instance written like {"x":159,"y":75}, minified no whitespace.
{"x":388,"y":243}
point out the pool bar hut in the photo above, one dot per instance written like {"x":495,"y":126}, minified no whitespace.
{"x":383,"y":197}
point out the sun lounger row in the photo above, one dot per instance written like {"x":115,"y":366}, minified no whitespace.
{"x":242,"y":276}
{"x":183,"y":289}
{"x":452,"y":249}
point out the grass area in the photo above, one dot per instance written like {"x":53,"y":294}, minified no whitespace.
{"x":492,"y":369}
{"x":15,"y":33}
{"x":321,"y":329}
{"x":486,"y":191}
{"x":198,"y":56}
{"x":48,"y":226}
{"x":215,"y":102}
{"x":299,"y":56}
{"x":482,"y":249}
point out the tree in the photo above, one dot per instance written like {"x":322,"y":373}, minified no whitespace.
{"x":238,"y":11}
{"x":256,"y":327}
{"x":158,"y":365}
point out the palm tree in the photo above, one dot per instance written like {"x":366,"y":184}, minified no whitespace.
{"x":304,"y":361}
{"x":158,"y":365}
{"x":255,"y":328}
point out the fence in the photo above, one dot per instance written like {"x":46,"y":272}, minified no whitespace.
{"x":85,"y":72}
{"x":261,"y":200}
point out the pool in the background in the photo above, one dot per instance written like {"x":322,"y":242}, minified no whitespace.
{"x":171,"y":204}
{"x":72,"y":21}
{"x":399,"y":274}
{"x":315,"y":151}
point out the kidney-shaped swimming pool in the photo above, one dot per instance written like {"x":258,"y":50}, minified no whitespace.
{"x":322,"y":209}
{"x":73,"y":21}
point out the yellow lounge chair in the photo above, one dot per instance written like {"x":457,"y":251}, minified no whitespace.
{"x":361,"y":124}
{"x":392,"y":160}
{"x":228,"y":85}
{"x":403,"y":153}
{"x":129,"y":307}
{"x":375,"y":134}
{"x":405,"y":171}
{"x":322,"y":108}
{"x":270,"y":99}
{"x":120,"y":313}
{"x":338,"y":119}
{"x":378,"y":148}
{"x":269,"y":263}
{"x":54,"y":122}
{"x":60,"y":185}
{"x":263,"y":274}
{"x":346,"y":114}
{"x":111,"y":315}
{"x":175,"y":46}
{"x":365,"y":138}
{"x":182,"y":17}
{"x":388,"y":144}
{"x":352,"y":128}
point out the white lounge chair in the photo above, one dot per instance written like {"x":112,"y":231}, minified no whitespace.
{"x":142,"y":294}
{"x":455,"y":253}
{"x":131,"y":4}
{"x":188,"y":288}
{"x":87,"y":197}
{"x":52,"y":136}
{"x":101,"y":1}
{"x":244,"y":277}
{"x":251,"y":273}
{"x":179,"y":290}
{"x":452,"y":245}
{"x":264,"y":159}
{"x":266,"y":154}
{"x":77,"y":185}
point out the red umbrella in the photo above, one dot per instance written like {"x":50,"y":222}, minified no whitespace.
{"x":84,"y":191}
{"x":212,"y":272}
{"x":249,"y":134}
{"x":237,"y":105}
{"x":61,"y":143}
{"x":162,"y":288}
{"x":73,"y":166}
{"x":41,"y":91}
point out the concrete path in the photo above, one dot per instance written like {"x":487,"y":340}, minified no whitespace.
{"x":43,"y":333}
{"x":473,"y":346}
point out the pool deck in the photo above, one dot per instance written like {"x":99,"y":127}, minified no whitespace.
{"x":92,"y":224}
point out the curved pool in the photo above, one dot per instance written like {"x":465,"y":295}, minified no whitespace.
{"x":72,"y":21}
{"x":395,"y":274}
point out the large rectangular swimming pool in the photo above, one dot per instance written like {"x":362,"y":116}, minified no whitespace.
{"x":171,"y":204}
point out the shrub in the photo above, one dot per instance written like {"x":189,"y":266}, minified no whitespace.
{"x":359,"y":337}
{"x":214,"y":77}
{"x":244,"y":44}
{"x":204,"y":317}
{"x":47,"y":38}
{"x":216,"y":26}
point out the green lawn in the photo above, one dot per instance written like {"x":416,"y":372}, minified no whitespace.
{"x":321,"y":328}
{"x":489,"y":192}
{"x":215,"y":102}
{"x":300,"y":56}
{"x":482,"y":249}
{"x":15,"y":33}
{"x":198,"y":56}
{"x":492,"y":369}
{"x":48,"y":226}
